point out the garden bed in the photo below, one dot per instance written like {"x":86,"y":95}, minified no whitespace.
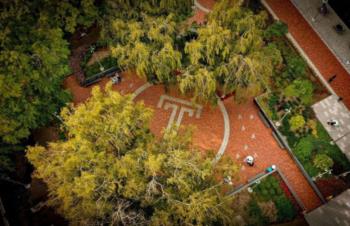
{"x":287,"y":108}
{"x":266,"y":202}
{"x":310,"y":144}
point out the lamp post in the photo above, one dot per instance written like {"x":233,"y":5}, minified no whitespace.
{"x":279,"y":122}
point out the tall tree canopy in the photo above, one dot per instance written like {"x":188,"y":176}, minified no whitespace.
{"x":34,"y":61}
{"x":112,"y":170}
{"x":147,"y":47}
{"x":231,"y":47}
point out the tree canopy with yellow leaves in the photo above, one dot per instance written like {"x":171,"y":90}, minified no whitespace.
{"x":147,"y":47}
{"x":112,"y":170}
{"x":232,"y":49}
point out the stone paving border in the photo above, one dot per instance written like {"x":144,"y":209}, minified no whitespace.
{"x":221,"y":105}
{"x":199,"y":6}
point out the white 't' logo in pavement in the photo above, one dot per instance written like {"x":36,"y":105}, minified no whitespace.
{"x":178,"y":109}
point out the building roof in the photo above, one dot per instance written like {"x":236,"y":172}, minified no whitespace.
{"x":335,"y":213}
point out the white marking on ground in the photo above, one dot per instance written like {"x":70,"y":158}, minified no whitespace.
{"x":253,"y":136}
{"x":173,"y":113}
{"x":222,"y":108}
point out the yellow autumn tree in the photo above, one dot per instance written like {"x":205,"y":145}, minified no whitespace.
{"x":147,"y":47}
{"x":231,"y":47}
{"x":111,"y":170}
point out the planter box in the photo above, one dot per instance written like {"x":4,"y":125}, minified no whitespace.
{"x":282,"y":139}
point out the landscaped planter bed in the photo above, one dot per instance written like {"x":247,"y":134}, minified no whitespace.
{"x":287,"y":108}
{"x":306,"y":147}
{"x":265,"y":202}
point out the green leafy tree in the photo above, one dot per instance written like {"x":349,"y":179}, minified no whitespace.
{"x":231,"y":46}
{"x":323,"y":162}
{"x":304,"y":148}
{"x":131,"y":9}
{"x":296,"y":122}
{"x":302,"y":89}
{"x":277,"y":29}
{"x":34,"y":61}
{"x":147,"y":47}
{"x":200,"y":84}
{"x":30,"y":82}
{"x":111,"y":170}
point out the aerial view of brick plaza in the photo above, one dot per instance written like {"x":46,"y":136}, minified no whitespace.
{"x":174,"y":112}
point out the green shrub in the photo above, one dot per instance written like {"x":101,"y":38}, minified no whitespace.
{"x":302,"y":89}
{"x":296,"y":122}
{"x":285,"y":130}
{"x":323,"y":162}
{"x":311,"y":169}
{"x":304,"y":149}
{"x":285,"y":209}
{"x":277,"y":29}
{"x":268,"y":188}
{"x":256,"y":217}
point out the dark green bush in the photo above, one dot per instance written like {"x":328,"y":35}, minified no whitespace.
{"x":304,"y":149}
{"x":268,"y":188}
{"x":285,"y":209}
{"x":256,"y":217}
{"x":295,"y":67}
{"x":277,"y":29}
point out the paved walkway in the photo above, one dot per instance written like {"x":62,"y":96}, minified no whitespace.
{"x":324,"y":27}
{"x":313,"y":46}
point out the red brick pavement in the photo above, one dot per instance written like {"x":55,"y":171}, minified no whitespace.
{"x":314,"y":47}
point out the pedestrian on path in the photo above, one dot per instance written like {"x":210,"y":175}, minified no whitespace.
{"x":332,"y":78}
